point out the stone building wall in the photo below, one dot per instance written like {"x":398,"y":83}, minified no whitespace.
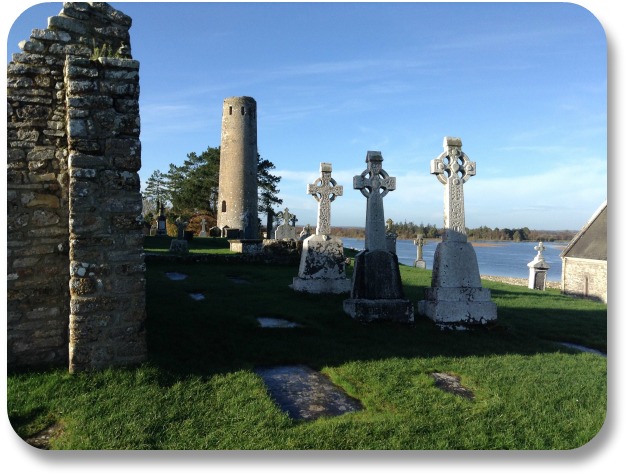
{"x":585,"y":278}
{"x":75,"y":265}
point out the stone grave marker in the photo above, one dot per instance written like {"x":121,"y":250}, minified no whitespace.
{"x":419,"y":262}
{"x":306,"y":394}
{"x":322,"y":266}
{"x":456,"y":298}
{"x":306,"y":232}
{"x":180,"y":244}
{"x":285,"y":231}
{"x":376,"y":292}
{"x":203,"y":231}
{"x":275,"y":322}
{"x":538,"y":269}
{"x":391,"y":236}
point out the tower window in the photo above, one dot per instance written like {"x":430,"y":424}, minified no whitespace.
{"x":242,"y":110}
{"x":224,"y":206}
{"x":230,"y":110}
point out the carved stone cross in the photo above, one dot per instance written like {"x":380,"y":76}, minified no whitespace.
{"x":325,"y":190}
{"x":286,"y":216}
{"x":374,"y":183}
{"x":453,"y":168}
{"x":539,"y":248}
{"x":419,"y":247}
{"x":181,"y":225}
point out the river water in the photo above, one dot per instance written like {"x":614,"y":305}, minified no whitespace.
{"x":495,"y":258}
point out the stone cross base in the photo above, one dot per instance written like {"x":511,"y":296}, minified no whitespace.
{"x":456,"y":299}
{"x":179,"y":246}
{"x":376,"y":289}
{"x":322,"y":267}
{"x":368,"y":310}
{"x":419,"y":263}
{"x":247,"y":247}
{"x":537,"y":278}
{"x":203,"y":234}
{"x":460,"y":313}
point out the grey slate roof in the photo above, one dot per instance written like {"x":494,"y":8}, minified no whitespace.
{"x":590,"y":241}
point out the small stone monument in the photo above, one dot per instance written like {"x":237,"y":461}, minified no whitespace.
{"x":179,"y":244}
{"x":376,"y":289}
{"x":203,"y":231}
{"x":538,"y":269}
{"x":456,"y":298}
{"x":306,"y":232}
{"x":161,"y":220}
{"x":391,"y":236}
{"x":419,"y":262}
{"x":285,"y":231}
{"x":322,"y":266}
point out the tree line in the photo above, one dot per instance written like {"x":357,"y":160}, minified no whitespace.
{"x":191,"y":189}
{"x":409,"y":231}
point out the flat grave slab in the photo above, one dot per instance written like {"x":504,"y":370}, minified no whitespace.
{"x":306,"y":394}
{"x":451,"y":384}
{"x":176,"y":276}
{"x":238,"y":280}
{"x":275,"y":322}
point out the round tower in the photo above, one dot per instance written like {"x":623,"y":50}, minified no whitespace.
{"x":237,"y":186}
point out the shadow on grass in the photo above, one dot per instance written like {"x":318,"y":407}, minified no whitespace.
{"x":220,"y":334}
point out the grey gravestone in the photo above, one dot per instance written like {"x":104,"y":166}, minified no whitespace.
{"x":203,"y":231}
{"x":305,"y":233}
{"x":179,"y":244}
{"x":377,"y":291}
{"x":275,"y":322}
{"x":305,"y":394}
{"x":322,"y":266}
{"x":391,"y":237}
{"x":456,"y":299}
{"x":285,"y":231}
{"x":419,"y":262}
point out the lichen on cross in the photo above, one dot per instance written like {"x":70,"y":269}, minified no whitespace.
{"x":453,"y":168}
{"x":324,"y":190}
{"x":374,"y":183}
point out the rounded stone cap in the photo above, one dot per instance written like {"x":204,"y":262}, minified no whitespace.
{"x":240,"y":100}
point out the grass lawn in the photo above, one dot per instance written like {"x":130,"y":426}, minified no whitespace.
{"x":198,"y":389}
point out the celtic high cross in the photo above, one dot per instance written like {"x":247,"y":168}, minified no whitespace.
{"x":325,"y":190}
{"x":453,"y":168}
{"x":286,"y":216}
{"x":374,"y":183}
{"x":419,"y":242}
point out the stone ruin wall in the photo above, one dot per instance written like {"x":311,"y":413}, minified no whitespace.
{"x":585,"y":278}
{"x":75,"y":262}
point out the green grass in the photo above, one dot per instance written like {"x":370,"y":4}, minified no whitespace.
{"x":198,"y":245}
{"x":198,"y":389}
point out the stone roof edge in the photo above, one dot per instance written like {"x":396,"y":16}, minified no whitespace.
{"x":584,"y":229}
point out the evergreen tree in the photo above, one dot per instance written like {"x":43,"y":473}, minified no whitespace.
{"x":156,"y":190}
{"x":267,"y":187}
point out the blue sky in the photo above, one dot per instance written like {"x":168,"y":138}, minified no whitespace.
{"x":523,"y":85}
